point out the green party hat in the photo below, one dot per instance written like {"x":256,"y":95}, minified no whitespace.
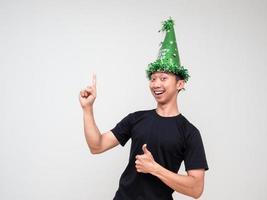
{"x":168,"y":58}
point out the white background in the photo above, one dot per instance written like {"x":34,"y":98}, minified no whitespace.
{"x":48,"y":52}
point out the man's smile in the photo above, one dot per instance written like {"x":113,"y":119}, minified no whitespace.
{"x":158,"y":92}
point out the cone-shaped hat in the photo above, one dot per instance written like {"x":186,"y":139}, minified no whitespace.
{"x":168,"y":58}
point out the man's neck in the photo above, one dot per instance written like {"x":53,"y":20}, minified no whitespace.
{"x":167,"y":110}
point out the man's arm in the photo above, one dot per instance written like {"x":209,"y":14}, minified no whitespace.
{"x":96,"y":141}
{"x":191,"y":184}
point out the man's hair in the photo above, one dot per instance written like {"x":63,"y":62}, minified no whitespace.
{"x":178,"y":77}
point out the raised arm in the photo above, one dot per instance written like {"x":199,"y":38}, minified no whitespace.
{"x":96,"y":141}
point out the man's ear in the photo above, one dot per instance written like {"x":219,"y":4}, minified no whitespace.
{"x":180,"y":84}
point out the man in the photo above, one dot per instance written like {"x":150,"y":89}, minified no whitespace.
{"x":161,"y":138}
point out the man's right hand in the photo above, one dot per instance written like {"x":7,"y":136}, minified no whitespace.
{"x":88,"y":95}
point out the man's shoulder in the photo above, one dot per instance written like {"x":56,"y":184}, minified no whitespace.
{"x":189,"y":126}
{"x":141,"y":113}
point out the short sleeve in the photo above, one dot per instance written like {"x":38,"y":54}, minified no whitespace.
{"x":122,"y":130}
{"x":194,"y":156}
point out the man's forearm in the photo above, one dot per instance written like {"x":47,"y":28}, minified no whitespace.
{"x":185,"y":184}
{"x":92,"y":134}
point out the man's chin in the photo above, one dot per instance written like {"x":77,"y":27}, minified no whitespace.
{"x":160,"y":101}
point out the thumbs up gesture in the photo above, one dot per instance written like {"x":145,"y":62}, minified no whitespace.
{"x":88,"y":95}
{"x":145,"y":163}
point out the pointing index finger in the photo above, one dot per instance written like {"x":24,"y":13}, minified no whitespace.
{"x":94,"y":80}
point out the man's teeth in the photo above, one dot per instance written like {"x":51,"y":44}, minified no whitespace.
{"x":159,"y":92}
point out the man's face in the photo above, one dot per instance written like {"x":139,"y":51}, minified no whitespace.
{"x":164,"y":86}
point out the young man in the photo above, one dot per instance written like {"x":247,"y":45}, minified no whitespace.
{"x":161,"y":138}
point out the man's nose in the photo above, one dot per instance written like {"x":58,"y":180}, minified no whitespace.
{"x":156,"y":84}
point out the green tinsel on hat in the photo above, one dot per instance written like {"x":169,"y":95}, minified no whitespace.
{"x":168,"y":58}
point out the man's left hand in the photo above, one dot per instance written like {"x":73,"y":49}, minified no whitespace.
{"x":145,"y":163}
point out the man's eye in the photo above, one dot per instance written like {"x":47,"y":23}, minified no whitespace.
{"x":163,"y":78}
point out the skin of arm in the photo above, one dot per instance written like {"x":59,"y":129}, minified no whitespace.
{"x":191,"y":184}
{"x":96,"y":141}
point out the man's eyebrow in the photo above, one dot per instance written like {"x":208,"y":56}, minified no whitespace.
{"x":163,"y":75}
{"x":158,"y":75}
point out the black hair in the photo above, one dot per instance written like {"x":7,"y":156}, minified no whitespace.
{"x":178,"y":77}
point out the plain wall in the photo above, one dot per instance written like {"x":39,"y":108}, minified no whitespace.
{"x":48,"y":52}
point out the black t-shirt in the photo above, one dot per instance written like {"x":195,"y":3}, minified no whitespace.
{"x":171,"y":140}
